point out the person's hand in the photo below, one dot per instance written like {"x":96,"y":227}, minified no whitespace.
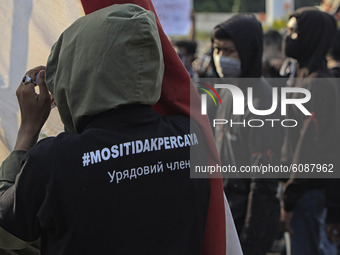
{"x":333,"y":232}
{"x":286,"y":218}
{"x":35,"y":109}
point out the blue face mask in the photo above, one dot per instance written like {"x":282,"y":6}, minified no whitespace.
{"x":227,"y":67}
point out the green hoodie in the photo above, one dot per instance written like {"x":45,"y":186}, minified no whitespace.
{"x":104,"y":60}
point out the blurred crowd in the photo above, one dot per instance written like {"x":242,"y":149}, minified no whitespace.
{"x":288,"y":216}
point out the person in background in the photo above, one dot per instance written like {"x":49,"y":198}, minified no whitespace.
{"x":204,"y":65}
{"x":186,"y":48}
{"x":332,"y":7}
{"x":237,"y":53}
{"x":332,"y":203}
{"x":272,"y":54}
{"x":334,"y":55}
{"x":314,"y":140}
{"x":186,"y":51}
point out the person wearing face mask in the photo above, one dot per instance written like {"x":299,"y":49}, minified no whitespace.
{"x":237,"y":53}
{"x":316,"y":139}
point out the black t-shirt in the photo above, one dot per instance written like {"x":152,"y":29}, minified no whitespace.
{"x":122,"y":186}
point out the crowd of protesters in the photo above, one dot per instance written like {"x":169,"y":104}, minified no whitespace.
{"x":307,"y":51}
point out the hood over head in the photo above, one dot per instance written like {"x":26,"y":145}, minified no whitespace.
{"x":315,"y":30}
{"x":109,"y":58}
{"x":246,"y":33}
{"x":179,"y":96}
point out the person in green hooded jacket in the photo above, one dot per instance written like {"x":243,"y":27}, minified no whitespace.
{"x":117,"y":181}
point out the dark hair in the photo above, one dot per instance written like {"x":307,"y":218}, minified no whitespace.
{"x":190,"y":46}
{"x":272,"y":37}
{"x":220,"y":33}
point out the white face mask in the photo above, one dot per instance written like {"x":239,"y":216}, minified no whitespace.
{"x":227,"y":67}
